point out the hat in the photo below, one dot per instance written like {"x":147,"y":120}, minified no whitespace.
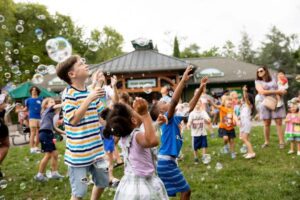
{"x":2,"y":98}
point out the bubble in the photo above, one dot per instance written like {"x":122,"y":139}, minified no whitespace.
{"x":39,"y":33}
{"x":208,"y":167}
{"x":2,"y":18}
{"x":37,"y":79}
{"x":59,"y":49}
{"x":7,"y":75}
{"x":41,"y":69}
{"x":3,"y":184}
{"x":8,"y":59}
{"x":3,"y":26}
{"x":216,"y":187}
{"x":21,"y":22}
{"x":93,"y":45}
{"x":27,"y":71}
{"x":2,"y":197}
{"x":14,"y":69}
{"x":19,"y":28}
{"x":22,"y":186}
{"x":202,"y":179}
{"x":41,"y":17}
{"x":35,"y":59}
{"x":16,"y":51}
{"x":7,"y":44}
{"x":206,"y":159}
{"x":147,"y":88}
{"x":51,"y":69}
{"x":219,"y":166}
{"x":243,"y":149}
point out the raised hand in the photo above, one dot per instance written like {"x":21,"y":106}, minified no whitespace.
{"x":204,"y":80}
{"x":186,"y":75}
{"x":245,"y":88}
{"x":96,"y":93}
{"x":114,"y":80}
{"x":140,"y":105}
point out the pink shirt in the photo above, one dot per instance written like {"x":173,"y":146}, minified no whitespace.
{"x":140,"y":158}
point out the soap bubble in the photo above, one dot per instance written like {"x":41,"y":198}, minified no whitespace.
{"x":35,"y":59}
{"x":27,"y":71}
{"x":16,"y":51}
{"x":51,"y":69}
{"x":22,"y":186}
{"x":243,"y":149}
{"x":3,"y":26}
{"x":41,"y":17}
{"x":7,"y":75}
{"x":19,"y":28}
{"x":3,"y":184}
{"x":219,"y":166}
{"x":206,"y":158}
{"x":14,"y":69}
{"x":7,"y":44}
{"x":2,"y":18}
{"x":147,"y":88}
{"x":93,"y":45}
{"x":37,"y":78}
{"x":41,"y":69}
{"x":39,"y":33}
{"x":21,"y":22}
{"x":59,"y":49}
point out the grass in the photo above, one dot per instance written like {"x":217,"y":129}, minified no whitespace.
{"x":271,"y":175}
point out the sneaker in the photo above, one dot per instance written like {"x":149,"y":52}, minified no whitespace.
{"x":196,"y":161}
{"x":298,"y":153}
{"x":291,"y":152}
{"x":41,"y":178}
{"x":279,"y":104}
{"x":56,"y":176}
{"x":226,"y":149}
{"x":115,"y":182}
{"x":233,"y":155}
{"x":250,"y":156}
{"x":264,"y":145}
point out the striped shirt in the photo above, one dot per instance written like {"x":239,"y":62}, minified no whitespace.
{"x":84,"y":144}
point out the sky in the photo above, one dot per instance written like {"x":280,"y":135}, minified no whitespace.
{"x":207,"y":23}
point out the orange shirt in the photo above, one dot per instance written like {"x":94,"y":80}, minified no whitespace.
{"x":226,"y":118}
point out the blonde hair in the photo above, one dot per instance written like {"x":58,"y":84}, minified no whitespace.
{"x":225,"y":98}
{"x":45,"y":103}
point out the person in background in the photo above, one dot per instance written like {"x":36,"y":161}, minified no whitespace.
{"x":4,"y":134}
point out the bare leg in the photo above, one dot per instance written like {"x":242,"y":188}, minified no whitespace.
{"x":4,"y":148}
{"x":195,"y":154}
{"x":298,"y":144}
{"x":203,"y":151}
{"x":54,"y":161}
{"x":96,"y":193}
{"x":279,"y":130}
{"x":231,"y":144}
{"x":110,"y":165}
{"x":44,"y":162}
{"x":117,"y":155}
{"x":185,"y":195}
{"x":267,"y":124}
{"x":37,"y":137}
{"x":225,"y":139}
{"x":32,"y":136}
{"x":245,"y":138}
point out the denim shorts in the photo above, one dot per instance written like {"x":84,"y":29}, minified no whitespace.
{"x":79,"y":177}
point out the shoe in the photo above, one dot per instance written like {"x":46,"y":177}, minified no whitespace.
{"x":279,"y":104}
{"x":250,"y":156}
{"x":245,"y":155}
{"x":118,"y":164}
{"x":298,"y":153}
{"x":291,"y":152}
{"x":226,"y":149}
{"x":264,"y":145}
{"x":281,"y":146}
{"x":56,"y":176}
{"x":40,"y":178}
{"x":233,"y":155}
{"x":115,"y":182}
{"x":196,"y":161}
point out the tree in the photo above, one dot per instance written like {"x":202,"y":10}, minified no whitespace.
{"x":191,"y":52}
{"x":212,"y":52}
{"x":245,"y":52}
{"x":228,"y":50}
{"x":176,"y":51}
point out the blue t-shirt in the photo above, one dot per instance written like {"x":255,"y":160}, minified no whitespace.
{"x":47,"y":119}
{"x":171,"y":139}
{"x":34,"y":107}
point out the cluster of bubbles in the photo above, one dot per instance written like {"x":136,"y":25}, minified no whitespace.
{"x":19,"y":26}
{"x":59,"y":49}
{"x":41,"y":71}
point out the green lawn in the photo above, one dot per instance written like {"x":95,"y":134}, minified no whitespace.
{"x":271,"y":175}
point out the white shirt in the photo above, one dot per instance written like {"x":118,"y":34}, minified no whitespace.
{"x":197,"y":122}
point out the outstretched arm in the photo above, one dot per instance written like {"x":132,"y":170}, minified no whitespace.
{"x":196,"y":97}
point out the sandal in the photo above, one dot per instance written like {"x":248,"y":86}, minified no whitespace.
{"x":264,"y":145}
{"x":114,"y":182}
{"x":118,"y":164}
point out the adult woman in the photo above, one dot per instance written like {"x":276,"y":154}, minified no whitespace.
{"x":266,"y":85}
{"x":33,"y":105}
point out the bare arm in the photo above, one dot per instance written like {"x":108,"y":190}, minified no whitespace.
{"x":245,"y":95}
{"x":262,"y":91}
{"x":178,"y":91}
{"x":114,"y":86}
{"x":149,"y":138}
{"x":196,"y":97}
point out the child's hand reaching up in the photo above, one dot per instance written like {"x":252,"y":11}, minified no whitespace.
{"x":186,"y":76}
{"x":161,"y":119}
{"x":140,"y":105}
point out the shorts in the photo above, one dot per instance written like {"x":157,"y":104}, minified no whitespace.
{"x":171,"y":176}
{"x":79,"y":178}
{"x":199,"y":142}
{"x":34,"y":123}
{"x":46,"y":139}
{"x":278,"y":113}
{"x":223,"y":132}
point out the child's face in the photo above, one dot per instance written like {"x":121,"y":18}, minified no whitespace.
{"x":51,"y":102}
{"x":280,"y":75}
{"x":293,"y":108}
{"x":80,"y":70}
{"x":163,"y":106}
{"x":228,"y":103}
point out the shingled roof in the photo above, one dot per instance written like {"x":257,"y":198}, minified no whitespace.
{"x":141,"y":61}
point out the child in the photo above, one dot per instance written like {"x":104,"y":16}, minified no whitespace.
{"x":283,"y":84}
{"x":4,"y":138}
{"x":171,"y":139}
{"x":245,"y":123}
{"x":139,"y":180}
{"x":196,"y":123}
{"x":22,"y":115}
{"x":47,"y":140}
{"x":81,"y":109}
{"x":292,"y":130}
{"x":227,"y":122}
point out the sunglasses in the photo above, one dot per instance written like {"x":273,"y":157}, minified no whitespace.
{"x":260,"y":71}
